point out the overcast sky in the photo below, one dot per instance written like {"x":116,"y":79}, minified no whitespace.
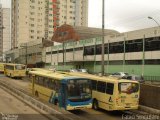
{"x":121,"y":15}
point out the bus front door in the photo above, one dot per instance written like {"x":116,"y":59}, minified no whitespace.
{"x":62,"y":97}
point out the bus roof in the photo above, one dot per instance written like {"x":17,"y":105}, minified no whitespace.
{"x":39,"y":69}
{"x":98,"y":78}
{"x":51,"y":74}
{"x":2,"y":64}
{"x":13,"y":64}
{"x":61,"y":74}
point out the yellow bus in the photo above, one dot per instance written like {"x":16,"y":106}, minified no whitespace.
{"x":111,"y":93}
{"x":2,"y":67}
{"x":69,"y":92}
{"x":14,"y":70}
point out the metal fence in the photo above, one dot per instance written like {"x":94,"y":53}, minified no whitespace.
{"x":152,"y":78}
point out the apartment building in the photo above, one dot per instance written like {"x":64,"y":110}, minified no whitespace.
{"x":5,"y":42}
{"x":37,"y":19}
{"x":72,"y":12}
{"x":30,"y":21}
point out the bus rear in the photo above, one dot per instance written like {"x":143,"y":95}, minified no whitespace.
{"x":78,"y":94}
{"x":20,"y":70}
{"x":1,"y":67}
{"x":127,"y":95}
{"x":15,"y":70}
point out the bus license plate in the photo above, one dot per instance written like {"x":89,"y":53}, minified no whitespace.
{"x":128,"y":105}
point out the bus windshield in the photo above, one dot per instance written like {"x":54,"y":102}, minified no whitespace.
{"x":20,"y":67}
{"x":79,"y":90}
{"x":127,"y":87}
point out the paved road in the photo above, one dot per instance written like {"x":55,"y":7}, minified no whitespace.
{"x":84,"y":114}
{"x":13,"y":108}
{"x":99,"y":114}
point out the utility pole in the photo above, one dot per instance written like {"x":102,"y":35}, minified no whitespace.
{"x":2,"y":27}
{"x":103,"y":8}
{"x":143,"y":57}
{"x":63,"y":52}
{"x":26,"y":54}
{"x":25,"y":46}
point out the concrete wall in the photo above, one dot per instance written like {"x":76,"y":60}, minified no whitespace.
{"x":150,"y":96}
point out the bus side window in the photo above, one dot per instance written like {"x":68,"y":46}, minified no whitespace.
{"x":57,"y":85}
{"x":36,"y":79}
{"x":110,"y":88}
{"x":12,"y":67}
{"x":101,"y":86}
{"x":51,"y":84}
{"x":41,"y":81}
{"x":46,"y":81}
{"x":94,"y":84}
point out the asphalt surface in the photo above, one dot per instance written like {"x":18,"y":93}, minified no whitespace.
{"x":13,"y":108}
{"x":20,"y":108}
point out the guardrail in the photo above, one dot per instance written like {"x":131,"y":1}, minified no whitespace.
{"x":33,"y":102}
{"x":152,"y":78}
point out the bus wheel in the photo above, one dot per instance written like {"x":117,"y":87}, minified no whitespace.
{"x":36,"y":94}
{"x":95,"y":105}
{"x":10,"y":75}
{"x":55,"y":102}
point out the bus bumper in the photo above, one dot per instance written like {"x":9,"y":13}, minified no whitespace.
{"x":69,"y":107}
{"x":127,"y":108}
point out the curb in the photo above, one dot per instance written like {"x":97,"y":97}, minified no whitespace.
{"x":37,"y":105}
{"x":149,"y":110}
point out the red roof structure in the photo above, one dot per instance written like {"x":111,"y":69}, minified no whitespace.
{"x":76,"y":33}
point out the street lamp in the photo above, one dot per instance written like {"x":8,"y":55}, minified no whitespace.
{"x":102,"y":57}
{"x":149,"y":17}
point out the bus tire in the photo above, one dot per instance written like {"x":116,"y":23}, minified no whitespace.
{"x":95,"y":105}
{"x":10,"y":75}
{"x":36,"y":94}
{"x":55,"y":102}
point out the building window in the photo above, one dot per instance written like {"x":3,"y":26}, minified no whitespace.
{"x":73,"y":1}
{"x":32,"y":19}
{"x":32,"y":25}
{"x":33,"y":1}
{"x":32,"y":36}
{"x":32,"y":13}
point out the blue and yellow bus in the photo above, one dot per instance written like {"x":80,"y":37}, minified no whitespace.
{"x":69,"y":92}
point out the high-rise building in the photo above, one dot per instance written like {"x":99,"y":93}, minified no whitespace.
{"x":37,"y":19}
{"x":30,"y":21}
{"x":5,"y":41}
{"x":72,"y":12}
{"x":1,"y":31}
